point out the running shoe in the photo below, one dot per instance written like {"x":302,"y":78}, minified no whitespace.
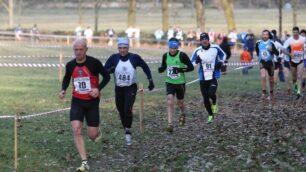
{"x":84,"y":167}
{"x":295,"y":90}
{"x":169,"y":128}
{"x":210,"y":119}
{"x":214,"y":109}
{"x":128,"y":139}
{"x":182,"y":120}
{"x":298,"y":95}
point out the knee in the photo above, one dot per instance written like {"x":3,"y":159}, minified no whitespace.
{"x":180,"y":103}
{"x":170,"y":102}
{"x":92,"y":136}
{"x":77,"y":131}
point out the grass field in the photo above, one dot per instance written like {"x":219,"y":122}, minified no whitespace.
{"x":45,"y":143}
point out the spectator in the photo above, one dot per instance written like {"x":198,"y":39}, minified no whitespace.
{"x":88,"y":33}
{"x":227,"y":50}
{"x":158,"y":36}
{"x":170,"y":33}
{"x":137,"y":36}
{"x":211,"y":34}
{"x":191,"y":36}
{"x":130,"y":34}
{"x":245,"y":59}
{"x":233,"y":39}
{"x":110,"y":34}
{"x":249,"y":42}
{"x":220,"y":38}
{"x":180,"y":36}
{"x":18,"y":31}
{"x":34,"y":33}
{"x":78,"y":31}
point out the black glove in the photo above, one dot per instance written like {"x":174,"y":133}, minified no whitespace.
{"x":161,"y":70}
{"x":198,"y":60}
{"x":177,"y":70}
{"x":218,"y":66}
{"x":151,"y":85}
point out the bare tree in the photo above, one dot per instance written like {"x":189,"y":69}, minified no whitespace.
{"x":199,"y":4}
{"x":294,"y":11}
{"x":9,"y":6}
{"x":132,"y":13}
{"x":165,"y":12}
{"x":229,"y":14}
{"x":280,"y":15}
{"x":80,"y":11}
{"x":98,"y":4}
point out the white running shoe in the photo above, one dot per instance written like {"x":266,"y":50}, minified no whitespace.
{"x":128,"y":139}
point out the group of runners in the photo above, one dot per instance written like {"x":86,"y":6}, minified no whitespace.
{"x":83,"y":71}
{"x":289,"y":56}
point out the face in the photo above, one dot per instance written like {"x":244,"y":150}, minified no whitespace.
{"x":205,"y":42}
{"x":123,"y":51}
{"x":173,"y":51}
{"x":303,"y":34}
{"x":80,"y":50}
{"x":295,"y":33}
{"x":265,"y":36}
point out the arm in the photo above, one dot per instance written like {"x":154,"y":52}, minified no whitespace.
{"x":257,"y":48}
{"x":163,"y":66}
{"x":274,"y":50}
{"x":195,"y":59}
{"x":221,"y":56}
{"x":141,"y":63}
{"x":110,"y":65}
{"x":185,"y":59}
{"x":66,"y":81}
{"x":105,"y":75}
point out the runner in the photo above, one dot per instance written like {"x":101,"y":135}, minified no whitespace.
{"x":277,"y":58}
{"x":123,"y":66}
{"x":296,"y":54}
{"x":210,"y":57}
{"x":265,"y":50}
{"x":303,"y":33}
{"x":176,"y":63}
{"x":84,"y":71}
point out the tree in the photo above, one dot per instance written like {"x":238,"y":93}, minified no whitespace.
{"x":229,"y":15}
{"x":132,"y":13}
{"x":294,"y":11}
{"x":280,"y":15}
{"x":9,"y":6}
{"x":80,"y":12}
{"x":165,"y":12}
{"x":98,"y":4}
{"x":199,"y":4}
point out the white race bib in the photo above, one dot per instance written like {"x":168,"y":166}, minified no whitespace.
{"x":171,"y":74}
{"x":297,"y":56}
{"x":265,"y":54}
{"x":208,"y":70}
{"x":82,"y":84}
{"x":124,"y":79}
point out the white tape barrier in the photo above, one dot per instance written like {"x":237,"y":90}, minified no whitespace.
{"x":52,"y":65}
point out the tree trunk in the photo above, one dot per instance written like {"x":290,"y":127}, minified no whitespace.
{"x":80,"y":12}
{"x":280,"y":15}
{"x":200,"y":14}
{"x":165,"y":12}
{"x":132,"y":13}
{"x":11,"y":13}
{"x":97,"y":8}
{"x":229,"y":15}
{"x":294,"y":11}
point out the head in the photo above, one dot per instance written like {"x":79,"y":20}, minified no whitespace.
{"x":295,"y":32}
{"x":266,"y":35}
{"x":303,"y":32}
{"x":225,"y":39}
{"x":274,"y":33}
{"x":173,"y":45}
{"x":204,"y":39}
{"x":80,"y":49}
{"x":123,"y":46}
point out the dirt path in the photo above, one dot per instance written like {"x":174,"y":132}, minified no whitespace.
{"x":248,"y":134}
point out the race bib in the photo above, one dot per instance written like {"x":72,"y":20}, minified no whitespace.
{"x":124,"y":79}
{"x":297,"y":56}
{"x":208,"y":70}
{"x":171,"y":73}
{"x":82,"y":84}
{"x":265,"y":54}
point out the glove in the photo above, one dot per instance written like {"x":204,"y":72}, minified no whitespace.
{"x":151,"y":85}
{"x":218,"y":66}
{"x":177,"y":70}
{"x":198,"y":60}
{"x":160,"y":70}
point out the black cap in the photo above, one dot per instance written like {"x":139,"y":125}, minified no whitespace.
{"x":204,"y":35}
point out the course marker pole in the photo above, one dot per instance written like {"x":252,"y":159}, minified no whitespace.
{"x":141,"y":110}
{"x":15,"y":143}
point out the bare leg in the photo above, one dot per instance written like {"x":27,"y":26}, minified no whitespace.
{"x":78,"y":139}
{"x":170,"y":108}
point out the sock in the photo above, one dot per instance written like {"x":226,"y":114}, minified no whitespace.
{"x":127,"y":131}
{"x":84,"y":161}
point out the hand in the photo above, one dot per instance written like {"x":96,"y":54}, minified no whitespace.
{"x":61,"y":94}
{"x":160,"y":70}
{"x":175,"y":70}
{"x":94,"y":92}
{"x":198,"y":60}
{"x":151,"y":85}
